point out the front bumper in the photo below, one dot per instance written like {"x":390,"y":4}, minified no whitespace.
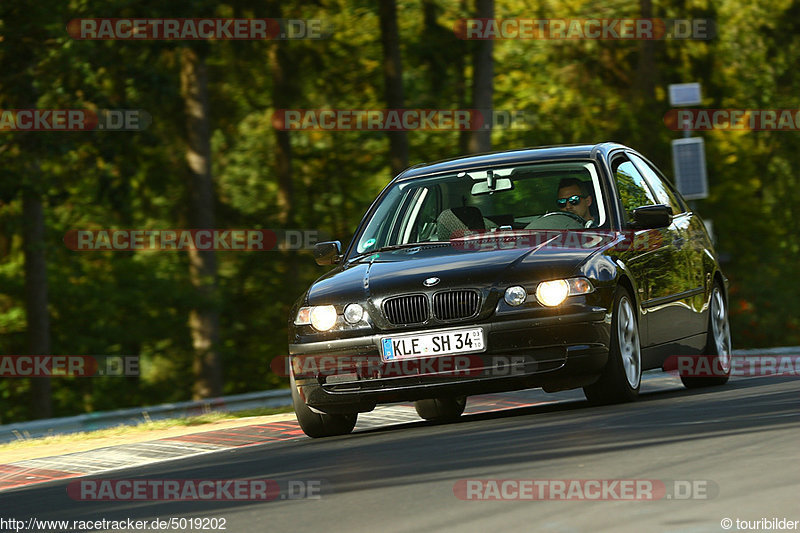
{"x":556,"y":353}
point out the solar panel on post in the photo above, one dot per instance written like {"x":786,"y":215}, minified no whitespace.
{"x":689,"y":162}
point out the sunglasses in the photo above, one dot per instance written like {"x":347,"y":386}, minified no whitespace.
{"x":575,"y":199}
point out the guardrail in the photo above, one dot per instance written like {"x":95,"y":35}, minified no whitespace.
{"x":138,"y":415}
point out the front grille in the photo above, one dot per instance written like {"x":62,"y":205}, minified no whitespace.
{"x":452,"y":305}
{"x":401,"y":310}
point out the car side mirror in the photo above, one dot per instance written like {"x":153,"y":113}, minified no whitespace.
{"x":328,"y":252}
{"x":652,"y":216}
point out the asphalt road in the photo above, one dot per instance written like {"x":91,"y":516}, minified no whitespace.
{"x":740,"y":443}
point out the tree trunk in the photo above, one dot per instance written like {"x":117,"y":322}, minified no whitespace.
{"x":645,"y":87}
{"x":204,"y":317}
{"x":483,"y":80}
{"x":38,"y":317}
{"x":465,"y":47}
{"x":393,"y":81}
{"x":646,"y":66}
{"x":281,"y":91}
{"x":282,"y":94}
{"x":434,"y":56}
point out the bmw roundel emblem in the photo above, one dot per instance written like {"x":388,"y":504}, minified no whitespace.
{"x":430,"y":282}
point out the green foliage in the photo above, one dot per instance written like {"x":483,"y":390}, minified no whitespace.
{"x":578,"y":91}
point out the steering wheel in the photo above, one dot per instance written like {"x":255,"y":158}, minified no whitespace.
{"x":573,"y":216}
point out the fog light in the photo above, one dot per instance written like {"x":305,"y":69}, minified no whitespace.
{"x":515,"y":295}
{"x":323,"y":317}
{"x":552,"y":293}
{"x":353,"y":313}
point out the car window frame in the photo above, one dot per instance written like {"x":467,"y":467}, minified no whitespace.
{"x":670,"y":185}
{"x":679,"y":201}
{"x":612,"y":158}
{"x":404,"y":211}
{"x":424,"y":197}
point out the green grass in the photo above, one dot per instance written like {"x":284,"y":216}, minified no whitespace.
{"x":122,"y":430}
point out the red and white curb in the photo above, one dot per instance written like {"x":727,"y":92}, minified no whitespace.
{"x":102,"y":460}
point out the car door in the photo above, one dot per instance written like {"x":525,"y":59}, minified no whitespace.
{"x":658,"y":269}
{"x":689,"y":255}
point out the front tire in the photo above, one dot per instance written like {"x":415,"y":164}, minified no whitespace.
{"x":441,"y":409}
{"x":318,"y":425}
{"x":718,"y":344}
{"x":622,"y":375}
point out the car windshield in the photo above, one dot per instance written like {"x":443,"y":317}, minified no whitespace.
{"x":563,"y":196}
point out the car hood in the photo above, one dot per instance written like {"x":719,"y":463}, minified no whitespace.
{"x":477,"y":263}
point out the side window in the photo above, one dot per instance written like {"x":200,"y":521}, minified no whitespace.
{"x":632,"y":188}
{"x":663,"y":193}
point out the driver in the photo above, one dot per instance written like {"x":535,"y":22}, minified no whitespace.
{"x":574,"y":196}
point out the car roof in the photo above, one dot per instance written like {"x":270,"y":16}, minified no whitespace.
{"x":520,"y":155}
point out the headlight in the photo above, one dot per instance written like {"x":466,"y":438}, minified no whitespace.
{"x":552,"y":293}
{"x":353,"y":313}
{"x":515,"y":295}
{"x":321,"y":317}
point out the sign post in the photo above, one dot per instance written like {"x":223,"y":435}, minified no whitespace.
{"x":688,"y":154}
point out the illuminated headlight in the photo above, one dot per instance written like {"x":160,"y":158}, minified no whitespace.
{"x":321,"y":317}
{"x":515,"y":295}
{"x":353,"y":313}
{"x":553,"y":293}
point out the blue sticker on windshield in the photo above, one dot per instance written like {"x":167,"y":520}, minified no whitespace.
{"x":369,"y":243}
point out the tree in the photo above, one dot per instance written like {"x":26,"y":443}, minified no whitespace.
{"x":26,"y":46}
{"x":393,"y":81}
{"x":36,"y":300}
{"x":483,"y":80}
{"x":204,"y":317}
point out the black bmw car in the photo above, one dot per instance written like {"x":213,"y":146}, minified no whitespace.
{"x":556,"y":267}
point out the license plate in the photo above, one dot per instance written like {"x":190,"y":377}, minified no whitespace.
{"x":432,"y":344}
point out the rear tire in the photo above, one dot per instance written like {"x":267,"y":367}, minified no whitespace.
{"x":319,"y":425}
{"x":441,"y":409}
{"x":622,"y":375}
{"x":718,"y":343}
